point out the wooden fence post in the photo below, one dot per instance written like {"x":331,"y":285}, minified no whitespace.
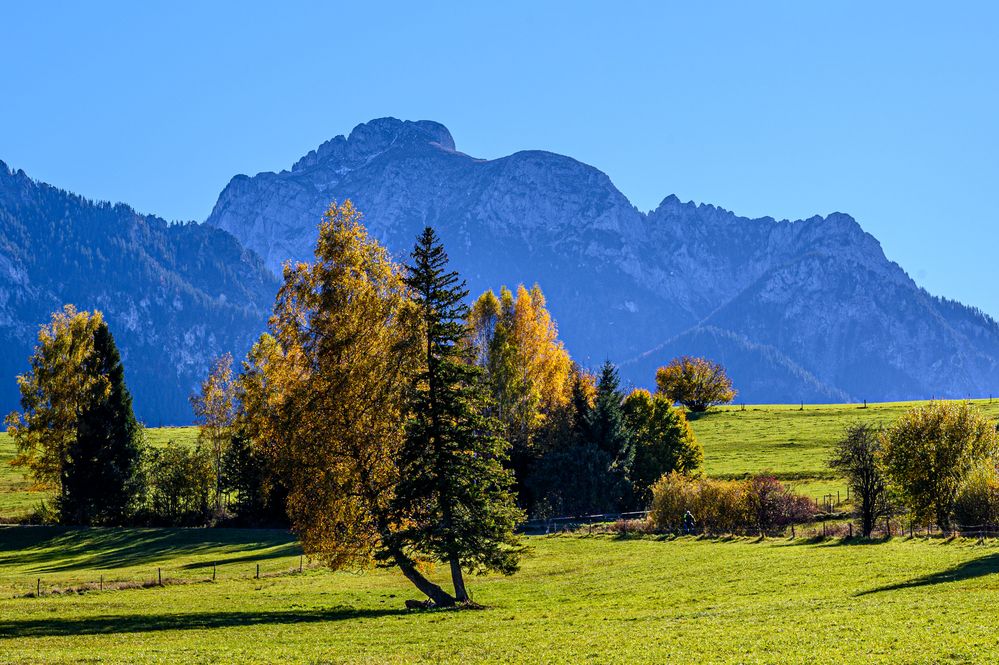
{"x":159,"y":576}
{"x":38,"y":588}
{"x":258,"y":571}
{"x":851,"y":529}
{"x":214,"y":564}
{"x":102,"y":583}
{"x":301,"y":558}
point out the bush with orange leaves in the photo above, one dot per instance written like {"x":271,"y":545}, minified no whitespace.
{"x":697,"y":383}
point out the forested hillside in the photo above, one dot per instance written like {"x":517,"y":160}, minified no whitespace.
{"x":175,"y":296}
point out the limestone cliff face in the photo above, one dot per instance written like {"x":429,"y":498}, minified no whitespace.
{"x":809,"y":309}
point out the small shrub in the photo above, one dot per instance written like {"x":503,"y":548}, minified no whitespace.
{"x":717,"y":505}
{"x":758,"y":505}
{"x":977,"y":502}
{"x":631,"y":527}
{"x":771,"y":506}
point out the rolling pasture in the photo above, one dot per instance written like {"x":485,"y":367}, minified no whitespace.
{"x":593,"y":598}
{"x":577,"y":599}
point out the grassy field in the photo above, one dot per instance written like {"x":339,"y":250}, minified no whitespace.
{"x":577,"y":599}
{"x":596,"y":598}
{"x":791,"y":442}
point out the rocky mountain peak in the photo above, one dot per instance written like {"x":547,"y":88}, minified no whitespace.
{"x":370,"y":139}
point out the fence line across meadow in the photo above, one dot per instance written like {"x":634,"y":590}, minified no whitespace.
{"x":623,"y":523}
{"x":159,"y":576}
{"x":830,"y":525}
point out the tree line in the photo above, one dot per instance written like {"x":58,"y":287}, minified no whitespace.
{"x":381,"y":417}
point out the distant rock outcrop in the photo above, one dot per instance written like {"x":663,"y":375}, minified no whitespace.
{"x":799,"y":311}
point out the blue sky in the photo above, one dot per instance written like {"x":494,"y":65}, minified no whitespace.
{"x":889,"y":113}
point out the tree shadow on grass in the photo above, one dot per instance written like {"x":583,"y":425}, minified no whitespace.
{"x":51,"y":549}
{"x":289,"y":550}
{"x":986,"y":565}
{"x":139,"y":623}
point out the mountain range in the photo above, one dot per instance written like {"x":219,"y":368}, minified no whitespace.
{"x":809,"y":310}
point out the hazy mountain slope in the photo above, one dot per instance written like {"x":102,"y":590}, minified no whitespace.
{"x":819,"y":293}
{"x":174,"y":296}
{"x":753,"y":368}
{"x":808,"y":310}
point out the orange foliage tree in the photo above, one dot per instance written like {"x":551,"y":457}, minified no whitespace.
{"x":697,"y":383}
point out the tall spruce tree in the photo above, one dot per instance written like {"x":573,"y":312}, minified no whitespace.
{"x":101,"y":476}
{"x":606,"y":428}
{"x":453,"y":485}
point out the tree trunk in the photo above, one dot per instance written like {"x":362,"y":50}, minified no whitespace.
{"x":867,"y":520}
{"x":439,"y":596}
{"x":460,"y":593}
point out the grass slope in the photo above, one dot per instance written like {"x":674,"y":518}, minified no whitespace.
{"x":792,"y":442}
{"x":577,"y":599}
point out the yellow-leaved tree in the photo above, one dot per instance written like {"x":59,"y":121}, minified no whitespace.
{"x":529,"y":371}
{"x":54,"y":393}
{"x":215,"y":411}
{"x":326,"y":395}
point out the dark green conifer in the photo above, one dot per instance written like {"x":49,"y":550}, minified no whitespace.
{"x":606,"y":429}
{"x":453,"y":485}
{"x":102,"y":478}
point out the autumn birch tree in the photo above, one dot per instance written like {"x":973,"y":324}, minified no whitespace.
{"x":330,"y":399}
{"x":215,"y":411}
{"x":54,"y":393}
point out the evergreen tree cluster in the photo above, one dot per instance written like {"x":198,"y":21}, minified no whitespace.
{"x":604,"y":450}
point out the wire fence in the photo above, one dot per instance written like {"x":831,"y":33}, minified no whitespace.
{"x":622,"y":523}
{"x":134,"y":577}
{"x":828,"y":525}
{"x":575,"y":522}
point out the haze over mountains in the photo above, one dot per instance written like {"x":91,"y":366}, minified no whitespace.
{"x":810,"y":310}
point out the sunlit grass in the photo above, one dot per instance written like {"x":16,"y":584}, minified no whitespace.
{"x":792,"y":442}
{"x":577,"y":599}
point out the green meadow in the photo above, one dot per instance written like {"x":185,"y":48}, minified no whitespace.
{"x":792,"y":442}
{"x":577,"y":599}
{"x":245,"y":595}
{"x":18,"y":496}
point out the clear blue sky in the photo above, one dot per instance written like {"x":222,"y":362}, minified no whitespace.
{"x":889,"y":113}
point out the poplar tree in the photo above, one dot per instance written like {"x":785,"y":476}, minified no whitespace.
{"x":528,"y":370}
{"x":453,"y":486}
